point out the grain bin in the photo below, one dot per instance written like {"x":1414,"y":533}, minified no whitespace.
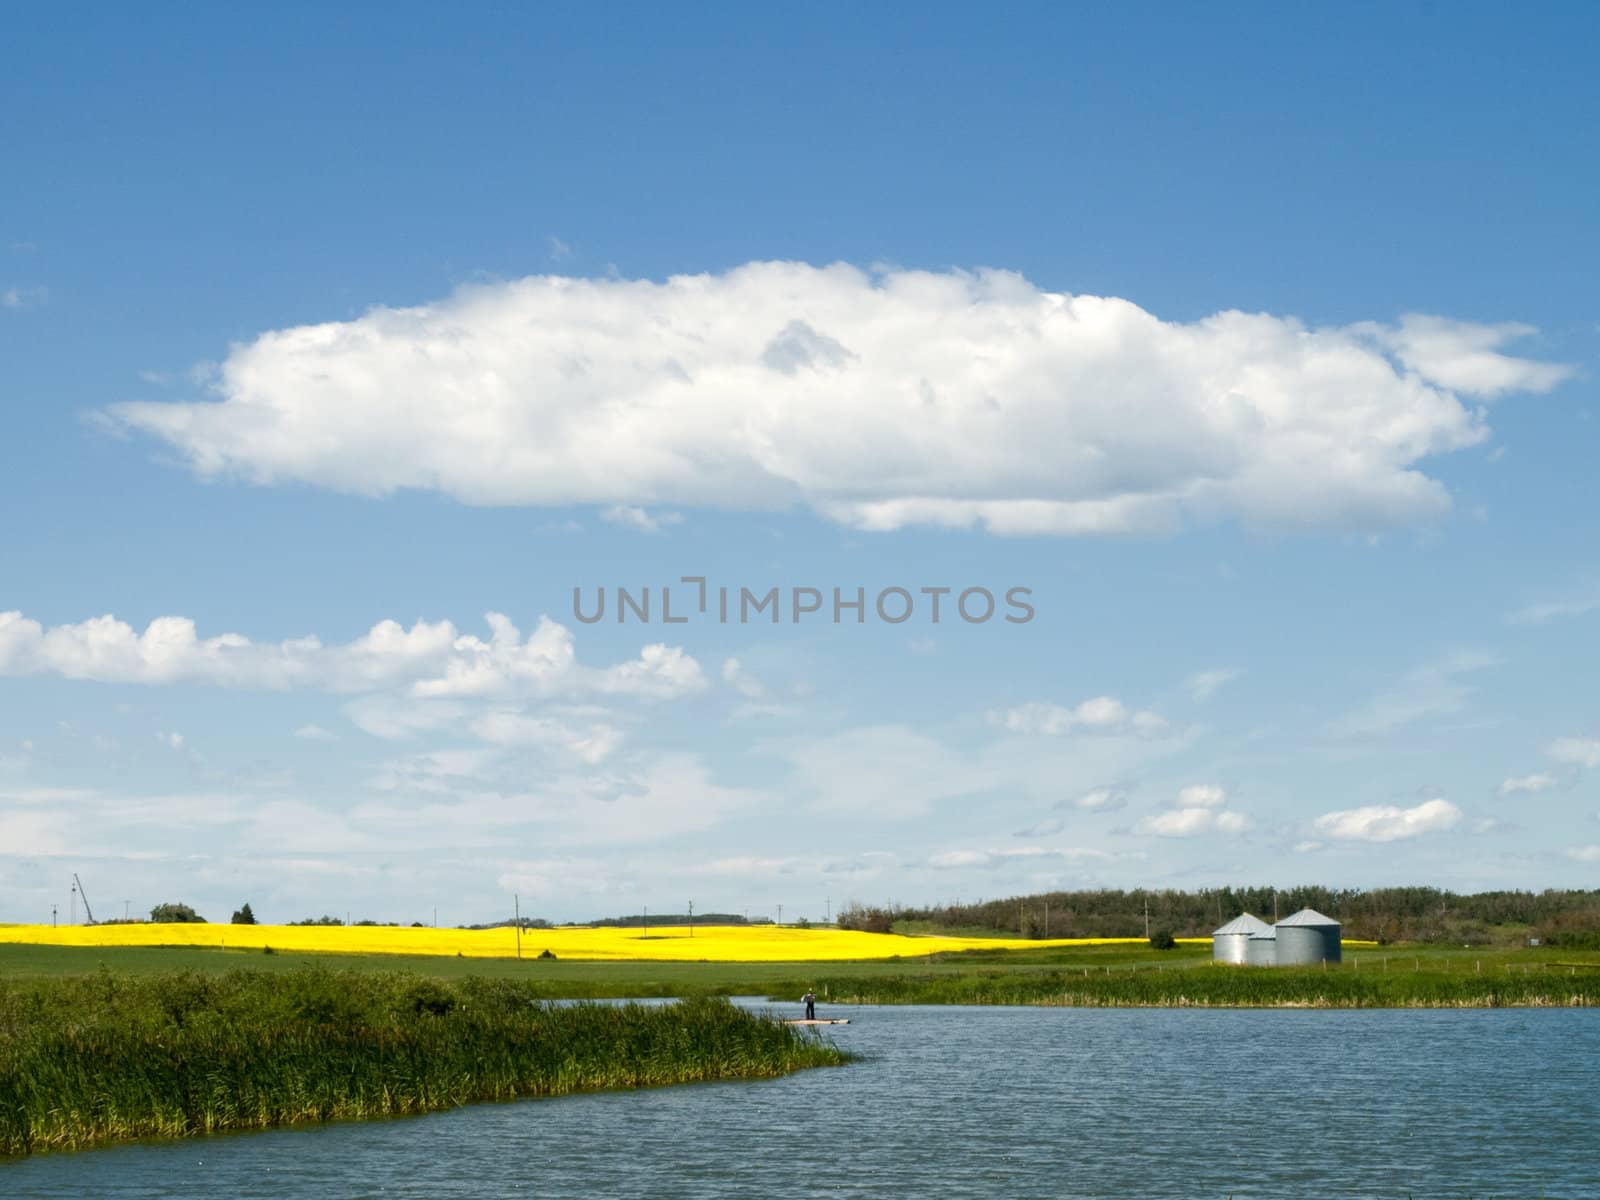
{"x":1228,"y":943}
{"x":1307,"y":937}
{"x":1261,"y":950}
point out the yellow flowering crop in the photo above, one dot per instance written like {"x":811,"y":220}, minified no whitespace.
{"x":714,"y":943}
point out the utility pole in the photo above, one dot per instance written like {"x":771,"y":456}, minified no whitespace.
{"x":125,"y":904}
{"x":1147,"y":918}
{"x":53,"y":910}
{"x":780,"y":914}
{"x":646,"y":935}
{"x":691,"y":918}
{"x":827,"y":911}
{"x":72,"y":919}
{"x":1047,"y":920}
{"x":516,"y":902}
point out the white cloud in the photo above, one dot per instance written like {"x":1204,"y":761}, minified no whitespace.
{"x":23,"y":297}
{"x":878,"y":399}
{"x":1306,"y":847}
{"x":1045,"y":828}
{"x":665,"y":795}
{"x":394,"y":718}
{"x":956,"y":860}
{"x":1579,"y":751}
{"x":1103,"y":714}
{"x":1387,"y":822}
{"x":1102,"y":799}
{"x":1584,"y":854}
{"x":1198,"y":809}
{"x":430,"y":659}
{"x":1549,"y":610}
{"x":634,"y":517}
{"x":1202,"y":795}
{"x":1437,"y":688}
{"x":1191,"y":822}
{"x":591,"y":744}
{"x":315,"y":733}
{"x":1528,"y":783}
{"x":172,"y":741}
{"x":736,"y":677}
{"x":558,"y":249}
{"x":1205,"y":684}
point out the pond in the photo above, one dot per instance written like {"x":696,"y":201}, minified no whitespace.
{"x":1131,"y":1104}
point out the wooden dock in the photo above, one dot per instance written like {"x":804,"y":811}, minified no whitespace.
{"x":819,"y":1021}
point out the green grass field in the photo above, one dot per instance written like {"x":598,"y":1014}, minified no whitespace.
{"x":1090,"y":974}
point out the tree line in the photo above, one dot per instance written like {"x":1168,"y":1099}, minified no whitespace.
{"x":1394,"y":914}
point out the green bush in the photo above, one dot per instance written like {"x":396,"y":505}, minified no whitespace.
{"x":176,"y":913}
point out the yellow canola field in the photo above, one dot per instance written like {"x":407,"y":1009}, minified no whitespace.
{"x":713,"y":943}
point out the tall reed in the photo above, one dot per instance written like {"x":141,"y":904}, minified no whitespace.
{"x":104,"y":1057}
{"x":1341,"y":986}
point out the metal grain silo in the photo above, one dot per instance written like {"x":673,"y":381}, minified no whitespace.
{"x":1307,"y":937}
{"x":1262,"y":949}
{"x":1228,"y":943}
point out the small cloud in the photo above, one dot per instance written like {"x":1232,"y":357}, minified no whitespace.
{"x":1438,"y":688}
{"x":1198,"y":809}
{"x":173,"y":741}
{"x":741,"y":681}
{"x":1102,"y":799}
{"x":157,"y":378}
{"x":1102,"y":714}
{"x":1046,"y":827}
{"x":1202,"y":795}
{"x":1527,"y":783}
{"x":955,"y":859}
{"x":633,"y":517}
{"x":559,"y":250}
{"x":1387,"y":822}
{"x":315,"y":733}
{"x":922,"y":645}
{"x":21,"y":297}
{"x":1206,"y":684}
{"x":1192,"y":822}
{"x":1486,"y":825}
{"x":1584,"y":854}
{"x":952,"y":860}
{"x":1578,"y":751}
{"x":1306,"y":847}
{"x":1576,"y":605}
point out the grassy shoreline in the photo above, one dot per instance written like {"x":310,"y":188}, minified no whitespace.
{"x":91,"y":1059}
{"x":1109,"y":975}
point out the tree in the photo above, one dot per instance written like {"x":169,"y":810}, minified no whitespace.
{"x":176,"y":913}
{"x":244,"y":916}
{"x":1162,"y":939}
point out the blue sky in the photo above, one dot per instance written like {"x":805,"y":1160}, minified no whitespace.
{"x":1259,"y":347}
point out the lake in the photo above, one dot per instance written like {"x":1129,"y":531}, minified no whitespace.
{"x":1131,"y":1104}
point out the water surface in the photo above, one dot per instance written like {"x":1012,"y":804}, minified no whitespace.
{"x":1130,"y":1104}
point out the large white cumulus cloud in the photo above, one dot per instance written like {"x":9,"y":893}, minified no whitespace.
{"x":880,"y":399}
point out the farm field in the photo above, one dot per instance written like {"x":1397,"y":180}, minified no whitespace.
{"x":711,"y":943}
{"x":1115,"y":974}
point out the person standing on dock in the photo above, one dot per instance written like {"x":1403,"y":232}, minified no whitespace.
{"x":811,"y":1004}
